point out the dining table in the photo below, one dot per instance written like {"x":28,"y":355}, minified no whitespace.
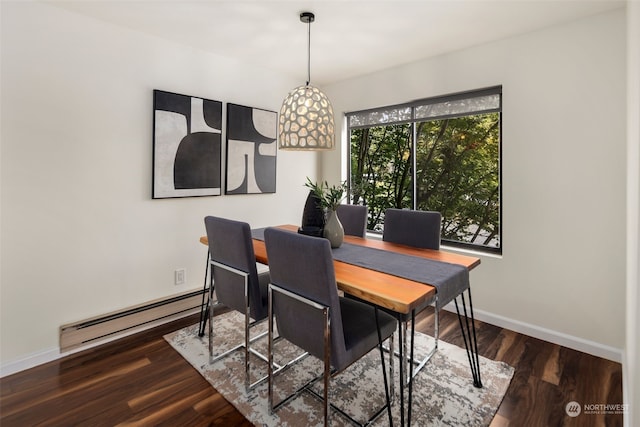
{"x":390,"y":290}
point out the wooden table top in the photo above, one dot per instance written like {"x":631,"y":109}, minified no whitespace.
{"x":385,"y":290}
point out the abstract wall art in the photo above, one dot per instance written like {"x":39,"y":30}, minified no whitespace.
{"x":187,"y":146}
{"x":251,"y":150}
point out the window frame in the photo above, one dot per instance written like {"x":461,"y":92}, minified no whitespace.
{"x":388,"y":118}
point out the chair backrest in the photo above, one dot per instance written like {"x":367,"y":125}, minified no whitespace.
{"x":420,"y":229}
{"x":353,"y":219}
{"x":303,"y":265}
{"x":230,"y":244}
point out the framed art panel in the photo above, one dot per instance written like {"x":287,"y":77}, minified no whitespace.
{"x":251,"y":150}
{"x":187,"y":146}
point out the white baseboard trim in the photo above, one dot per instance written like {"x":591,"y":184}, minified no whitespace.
{"x":30,"y":361}
{"x":52,"y":354}
{"x":555,"y":337}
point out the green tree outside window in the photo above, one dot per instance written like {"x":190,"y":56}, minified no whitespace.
{"x":453,"y":167}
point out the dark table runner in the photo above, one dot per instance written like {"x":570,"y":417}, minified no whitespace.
{"x":450,"y":280}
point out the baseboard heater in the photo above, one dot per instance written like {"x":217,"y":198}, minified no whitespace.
{"x":130,"y":320}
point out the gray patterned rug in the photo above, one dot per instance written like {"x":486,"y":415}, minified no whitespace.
{"x":443,"y":393}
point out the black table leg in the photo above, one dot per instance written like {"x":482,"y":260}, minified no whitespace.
{"x":402,"y":368}
{"x":204,"y":307}
{"x":470,"y":339}
{"x":384,"y":369}
{"x":413,"y":334}
{"x":401,"y":345}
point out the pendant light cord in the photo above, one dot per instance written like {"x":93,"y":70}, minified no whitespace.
{"x":308,"y":53}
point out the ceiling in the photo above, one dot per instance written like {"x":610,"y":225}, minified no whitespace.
{"x":348,"y":38}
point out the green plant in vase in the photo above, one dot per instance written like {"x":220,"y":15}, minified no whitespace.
{"x":330,"y":197}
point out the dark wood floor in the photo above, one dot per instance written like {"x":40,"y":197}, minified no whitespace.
{"x":141,"y":380}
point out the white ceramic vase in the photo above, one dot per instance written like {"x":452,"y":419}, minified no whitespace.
{"x":333,"y":229}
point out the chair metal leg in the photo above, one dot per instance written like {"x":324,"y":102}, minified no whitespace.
{"x":308,"y":388}
{"x":470,"y":339}
{"x":327,"y":365}
{"x":271,"y":372}
{"x":248,"y":351}
{"x":428,"y":357}
{"x":248,"y":340}
{"x":270,"y":349}
{"x":326,"y":374}
{"x":402,"y":328}
{"x":247,"y":337}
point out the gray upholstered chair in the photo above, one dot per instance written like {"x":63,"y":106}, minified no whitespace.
{"x":353,"y":219}
{"x":236,"y":282}
{"x":304,"y":301}
{"x":419,"y":229}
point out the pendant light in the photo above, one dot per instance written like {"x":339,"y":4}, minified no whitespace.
{"x":306,"y":117}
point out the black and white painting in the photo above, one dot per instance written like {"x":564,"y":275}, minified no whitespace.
{"x":187,"y":146}
{"x":251,"y":150}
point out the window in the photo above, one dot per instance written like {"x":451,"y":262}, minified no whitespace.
{"x":440,"y":154}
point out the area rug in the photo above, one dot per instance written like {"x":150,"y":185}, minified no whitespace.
{"x":443,"y":393}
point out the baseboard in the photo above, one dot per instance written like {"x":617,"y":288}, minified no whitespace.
{"x":555,"y":337}
{"x":30,"y":361}
{"x":52,"y":354}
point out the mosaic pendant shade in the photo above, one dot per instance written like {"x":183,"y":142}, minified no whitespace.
{"x":306,"y":120}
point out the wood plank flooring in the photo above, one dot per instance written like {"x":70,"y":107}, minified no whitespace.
{"x":141,"y":380}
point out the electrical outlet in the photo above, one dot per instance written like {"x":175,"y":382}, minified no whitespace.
{"x":180,"y":276}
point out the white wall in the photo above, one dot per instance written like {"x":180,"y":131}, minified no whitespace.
{"x":563,"y":171}
{"x":80,"y":233}
{"x":632,"y":357}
